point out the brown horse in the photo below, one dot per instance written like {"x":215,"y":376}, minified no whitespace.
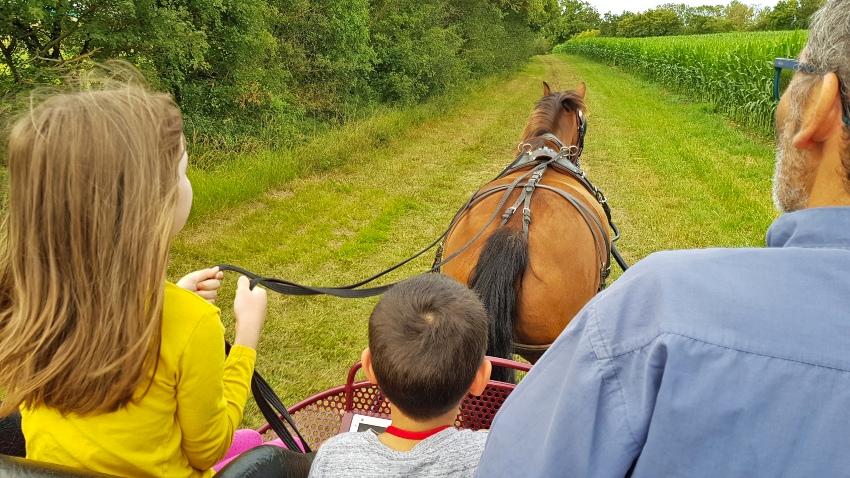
{"x":549,"y":253}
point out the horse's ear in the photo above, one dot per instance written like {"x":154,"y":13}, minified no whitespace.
{"x":581,"y":89}
{"x":546,"y":90}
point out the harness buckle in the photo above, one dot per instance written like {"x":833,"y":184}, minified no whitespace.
{"x":601,"y":197}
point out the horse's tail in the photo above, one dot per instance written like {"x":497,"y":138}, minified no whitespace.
{"x":497,"y":279}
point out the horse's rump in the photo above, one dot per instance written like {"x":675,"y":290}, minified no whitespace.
{"x":564,"y":255}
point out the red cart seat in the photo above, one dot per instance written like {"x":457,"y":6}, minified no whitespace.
{"x":320,"y":416}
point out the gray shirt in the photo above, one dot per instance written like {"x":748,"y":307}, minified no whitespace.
{"x":451,"y":452}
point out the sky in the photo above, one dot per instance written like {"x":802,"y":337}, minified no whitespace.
{"x":618,"y":6}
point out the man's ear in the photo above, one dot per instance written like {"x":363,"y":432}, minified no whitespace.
{"x":482,"y":376}
{"x":366,"y":361}
{"x":821,"y":113}
{"x":581,"y":89}
{"x":546,"y":90}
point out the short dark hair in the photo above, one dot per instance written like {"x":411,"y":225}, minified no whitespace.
{"x":428,"y":336}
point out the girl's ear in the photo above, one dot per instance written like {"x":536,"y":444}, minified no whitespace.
{"x":366,"y":360}
{"x":482,"y":376}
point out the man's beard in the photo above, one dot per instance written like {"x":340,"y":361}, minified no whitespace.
{"x":792,"y":176}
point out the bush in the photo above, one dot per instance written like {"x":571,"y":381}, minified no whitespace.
{"x":262,"y":72}
{"x":588,"y":34}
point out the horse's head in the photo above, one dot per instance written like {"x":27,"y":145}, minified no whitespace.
{"x":559,"y":113}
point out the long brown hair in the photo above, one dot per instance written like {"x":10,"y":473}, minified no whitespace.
{"x":92,"y":187}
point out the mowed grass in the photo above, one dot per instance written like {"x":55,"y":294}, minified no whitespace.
{"x":677,"y":176}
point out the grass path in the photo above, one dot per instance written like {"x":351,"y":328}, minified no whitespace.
{"x":676,"y":175}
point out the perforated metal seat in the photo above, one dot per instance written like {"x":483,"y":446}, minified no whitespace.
{"x":320,"y":416}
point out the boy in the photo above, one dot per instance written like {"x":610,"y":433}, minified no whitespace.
{"x":427,"y":338}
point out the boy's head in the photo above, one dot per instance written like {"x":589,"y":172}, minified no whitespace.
{"x":427,"y":339}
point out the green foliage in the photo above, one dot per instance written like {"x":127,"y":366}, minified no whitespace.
{"x":588,"y":34}
{"x":575,"y":16}
{"x":741,"y":17}
{"x":731,"y":71}
{"x":266,"y":71}
{"x":657,"y":22}
{"x":325,"y":45}
{"x":788,"y":15}
{"x":694,"y":20}
{"x":418,"y":50}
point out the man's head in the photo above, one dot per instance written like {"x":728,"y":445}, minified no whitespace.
{"x":813,"y":158}
{"x":427,"y":338}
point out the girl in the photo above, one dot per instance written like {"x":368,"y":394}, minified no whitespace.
{"x":114,"y":369}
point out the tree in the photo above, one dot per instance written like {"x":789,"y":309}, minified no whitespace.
{"x":657,"y":22}
{"x":610,"y":21}
{"x":326,"y":47}
{"x":575,"y":17}
{"x":739,"y":15}
{"x":788,"y":15}
{"x":240,"y":67}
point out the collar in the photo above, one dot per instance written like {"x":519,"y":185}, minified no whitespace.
{"x":822,"y":227}
{"x":409,"y":435}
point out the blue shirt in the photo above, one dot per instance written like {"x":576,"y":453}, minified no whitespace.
{"x":705,"y":363}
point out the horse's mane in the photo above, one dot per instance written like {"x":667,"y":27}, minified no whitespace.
{"x":546,"y":111}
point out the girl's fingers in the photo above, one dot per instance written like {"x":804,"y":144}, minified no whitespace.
{"x":209,"y":284}
{"x":209,"y":295}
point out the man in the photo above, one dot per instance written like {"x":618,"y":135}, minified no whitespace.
{"x":723,"y":362}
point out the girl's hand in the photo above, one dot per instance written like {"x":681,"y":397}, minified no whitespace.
{"x":204,"y":282}
{"x":249,"y":307}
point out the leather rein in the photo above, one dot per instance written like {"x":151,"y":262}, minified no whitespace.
{"x":565,"y":160}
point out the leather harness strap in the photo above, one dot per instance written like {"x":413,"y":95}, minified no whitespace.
{"x":530,"y":350}
{"x":564,"y":161}
{"x":600,"y":237}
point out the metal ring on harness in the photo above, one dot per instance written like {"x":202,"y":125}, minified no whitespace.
{"x":571,"y":152}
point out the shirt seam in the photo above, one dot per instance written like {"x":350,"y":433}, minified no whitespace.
{"x":843,"y":247}
{"x":594,"y":322}
{"x":727,"y":347}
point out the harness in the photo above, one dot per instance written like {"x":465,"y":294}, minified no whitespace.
{"x":564,"y":161}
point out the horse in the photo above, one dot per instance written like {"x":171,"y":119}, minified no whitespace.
{"x":551,"y":251}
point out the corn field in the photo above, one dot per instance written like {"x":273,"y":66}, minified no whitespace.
{"x":732,"y":71}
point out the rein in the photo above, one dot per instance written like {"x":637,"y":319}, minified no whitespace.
{"x":356,"y":290}
{"x":565,"y":160}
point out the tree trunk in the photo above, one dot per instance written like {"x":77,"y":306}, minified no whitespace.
{"x":56,"y":33}
{"x":10,"y":59}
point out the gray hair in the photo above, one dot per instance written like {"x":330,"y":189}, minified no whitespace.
{"x":828,"y":48}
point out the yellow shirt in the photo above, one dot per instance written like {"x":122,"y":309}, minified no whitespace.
{"x":181,"y":427}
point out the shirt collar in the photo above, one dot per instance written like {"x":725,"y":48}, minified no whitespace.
{"x":824,"y":227}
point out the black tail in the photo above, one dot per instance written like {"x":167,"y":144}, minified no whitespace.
{"x":497,"y":278}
